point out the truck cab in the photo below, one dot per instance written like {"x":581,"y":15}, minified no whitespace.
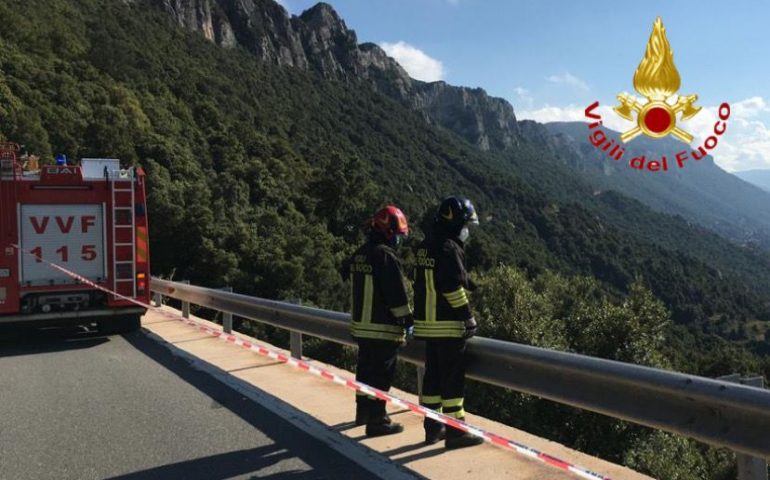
{"x":89,"y":219}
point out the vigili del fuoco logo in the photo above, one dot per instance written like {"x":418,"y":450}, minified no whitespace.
{"x":658,"y":81}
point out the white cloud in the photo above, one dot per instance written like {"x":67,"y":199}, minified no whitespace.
{"x":575,"y":113}
{"x":523,"y":98}
{"x":417,"y":63}
{"x":749,"y":108}
{"x":567,"y":78}
{"x":745,"y":145}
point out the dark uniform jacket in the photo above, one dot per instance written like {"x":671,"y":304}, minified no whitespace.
{"x":441,"y":287}
{"x":378,"y":292}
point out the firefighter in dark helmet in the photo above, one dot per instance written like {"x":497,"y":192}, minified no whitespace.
{"x":381,"y":314}
{"x":443,"y":317}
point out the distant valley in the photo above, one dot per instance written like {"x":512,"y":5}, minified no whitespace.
{"x":700,"y":192}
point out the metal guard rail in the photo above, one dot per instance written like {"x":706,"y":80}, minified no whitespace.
{"x":712,"y":411}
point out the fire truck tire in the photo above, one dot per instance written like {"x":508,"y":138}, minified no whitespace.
{"x":119,"y":324}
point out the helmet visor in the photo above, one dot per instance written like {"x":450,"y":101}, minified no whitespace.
{"x":471,"y":215}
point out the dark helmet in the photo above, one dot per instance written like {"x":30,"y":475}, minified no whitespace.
{"x":390,"y":222}
{"x":454,"y":213}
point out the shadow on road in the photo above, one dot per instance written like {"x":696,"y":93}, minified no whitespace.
{"x":226,"y":465}
{"x":18,"y":340}
{"x":289,"y":440}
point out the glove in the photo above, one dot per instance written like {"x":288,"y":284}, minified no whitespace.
{"x":470,"y":328}
{"x":407,"y":321}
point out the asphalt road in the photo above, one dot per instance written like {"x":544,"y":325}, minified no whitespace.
{"x":77,"y":405}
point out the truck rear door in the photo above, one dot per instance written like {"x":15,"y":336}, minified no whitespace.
{"x":71,"y":235}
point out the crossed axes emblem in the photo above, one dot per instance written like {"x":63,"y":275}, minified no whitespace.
{"x":683,"y":105}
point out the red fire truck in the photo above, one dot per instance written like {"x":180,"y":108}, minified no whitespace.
{"x":90,"y":219}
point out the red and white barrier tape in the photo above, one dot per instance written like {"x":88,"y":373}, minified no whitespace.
{"x":347,"y":382}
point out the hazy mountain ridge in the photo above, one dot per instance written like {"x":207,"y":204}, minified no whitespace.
{"x":759,"y":178}
{"x":701,"y":191}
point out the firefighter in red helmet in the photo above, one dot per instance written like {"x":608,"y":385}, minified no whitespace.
{"x":380,"y":313}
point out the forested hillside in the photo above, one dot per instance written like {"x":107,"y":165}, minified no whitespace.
{"x":260,"y":177}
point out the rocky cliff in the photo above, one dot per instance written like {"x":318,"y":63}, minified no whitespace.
{"x":319,"y":40}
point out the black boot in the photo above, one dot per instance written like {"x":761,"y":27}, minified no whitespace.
{"x":379,"y":423}
{"x":434,"y":431}
{"x":458,"y":439}
{"x":363,"y":405}
{"x":380,"y":426}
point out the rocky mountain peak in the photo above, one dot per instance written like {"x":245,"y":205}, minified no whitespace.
{"x":322,"y":24}
{"x":323,"y":15}
{"x":319,"y":40}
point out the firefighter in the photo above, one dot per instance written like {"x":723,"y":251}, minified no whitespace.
{"x":381,"y":314}
{"x":443,"y":317}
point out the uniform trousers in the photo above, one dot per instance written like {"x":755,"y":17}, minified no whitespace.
{"x":443,"y":385}
{"x":376,"y":368}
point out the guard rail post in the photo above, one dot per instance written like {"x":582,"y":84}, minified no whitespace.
{"x":185,"y":303}
{"x":295,"y":337}
{"x":749,"y":467}
{"x":295,"y":344}
{"x":420,"y":375}
{"x":227,"y":317}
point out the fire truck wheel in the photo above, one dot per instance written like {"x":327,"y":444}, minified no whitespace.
{"x":119,"y":324}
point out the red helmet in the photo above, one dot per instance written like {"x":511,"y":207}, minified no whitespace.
{"x":390,"y":221}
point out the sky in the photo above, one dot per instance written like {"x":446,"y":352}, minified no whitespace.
{"x":552,"y":58}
